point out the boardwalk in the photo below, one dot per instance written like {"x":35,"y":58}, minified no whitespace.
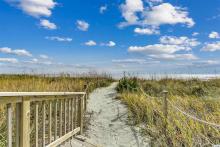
{"x":108,"y":121}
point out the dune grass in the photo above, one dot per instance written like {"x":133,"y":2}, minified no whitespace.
{"x":40,"y":83}
{"x":196,"y":97}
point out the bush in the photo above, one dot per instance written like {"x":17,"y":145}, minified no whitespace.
{"x":127,"y":84}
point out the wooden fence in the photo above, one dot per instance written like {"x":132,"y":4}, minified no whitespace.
{"x":42,"y":119}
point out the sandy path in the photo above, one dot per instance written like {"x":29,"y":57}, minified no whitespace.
{"x":107,"y":126}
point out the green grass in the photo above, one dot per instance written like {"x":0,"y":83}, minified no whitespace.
{"x":199,"y":98}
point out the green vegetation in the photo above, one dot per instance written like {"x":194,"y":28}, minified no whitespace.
{"x":28,"y":83}
{"x":196,"y":97}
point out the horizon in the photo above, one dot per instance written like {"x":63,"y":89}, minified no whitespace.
{"x":137,"y":36}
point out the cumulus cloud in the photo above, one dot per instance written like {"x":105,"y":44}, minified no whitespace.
{"x":158,"y":49}
{"x":183,"y":41}
{"x":82,"y":25}
{"x":9,"y":60}
{"x":60,"y":39}
{"x":146,"y":31}
{"x":19,"y":52}
{"x":211,"y":47}
{"x":90,"y":43}
{"x":47,"y":24}
{"x":102,"y":9}
{"x":168,"y":47}
{"x":35,"y":8}
{"x":109,"y":44}
{"x":214,"y":35}
{"x":130,"y":9}
{"x":164,"y":13}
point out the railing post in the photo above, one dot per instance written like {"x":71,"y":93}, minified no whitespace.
{"x":36,"y":124}
{"x":85,"y":98}
{"x":18,"y":124}
{"x":9,"y":125}
{"x":50,"y":121}
{"x":80,"y":114}
{"x":61,"y":118}
{"x":25,"y":123}
{"x":44,"y":123}
{"x":55,"y":120}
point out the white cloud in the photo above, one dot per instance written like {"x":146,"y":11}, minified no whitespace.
{"x":47,"y":24}
{"x":183,"y":41}
{"x":175,"y":57}
{"x":146,"y":31}
{"x":109,"y":44}
{"x":90,"y":43}
{"x":211,"y":47}
{"x":102,"y":9}
{"x":19,"y":52}
{"x":9,"y":60}
{"x":195,"y":34}
{"x":158,"y":49}
{"x":57,"y":38}
{"x":130,"y":9}
{"x":44,"y":56}
{"x":166,"y":13}
{"x":82,"y":25}
{"x":35,"y":8}
{"x":214,"y":35}
{"x":133,"y":61}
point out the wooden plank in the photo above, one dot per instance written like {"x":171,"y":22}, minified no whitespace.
{"x":44,"y":121}
{"x":36,"y":124}
{"x":18,"y":121}
{"x":80,"y":114}
{"x":75,"y":113}
{"x":72,"y":114}
{"x":22,"y":94}
{"x":69,"y":115}
{"x":50,"y":121}
{"x":25,"y":123}
{"x":64,"y":123}
{"x":9,"y":125}
{"x":55,"y":120}
{"x":60,"y":140}
{"x":85,"y":102}
{"x":60,"y":122}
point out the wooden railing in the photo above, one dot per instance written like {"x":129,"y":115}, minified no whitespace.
{"x":43,"y":118}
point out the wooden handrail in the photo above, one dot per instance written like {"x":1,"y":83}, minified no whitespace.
{"x":64,"y":109}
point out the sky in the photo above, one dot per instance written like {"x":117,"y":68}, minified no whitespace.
{"x":137,"y":36}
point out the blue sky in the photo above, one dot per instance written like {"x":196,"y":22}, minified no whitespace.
{"x":138,"y":36}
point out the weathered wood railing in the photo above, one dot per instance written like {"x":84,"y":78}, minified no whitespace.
{"x":43,"y":118}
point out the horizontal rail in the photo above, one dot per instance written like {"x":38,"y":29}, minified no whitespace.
{"x":13,"y":94}
{"x":62,"y":139}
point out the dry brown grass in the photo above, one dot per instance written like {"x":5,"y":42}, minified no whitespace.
{"x":147,"y":111}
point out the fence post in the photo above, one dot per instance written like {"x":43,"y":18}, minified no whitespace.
{"x":165,"y":107}
{"x":85,"y":98}
{"x":25,"y":123}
